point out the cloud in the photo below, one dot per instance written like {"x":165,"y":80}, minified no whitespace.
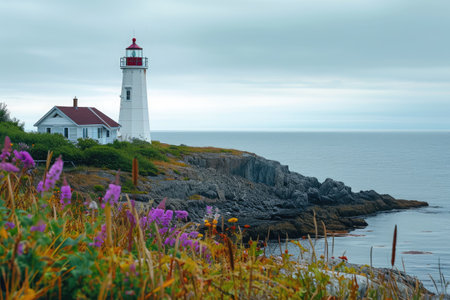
{"x":235,"y":64}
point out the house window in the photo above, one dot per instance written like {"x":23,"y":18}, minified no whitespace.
{"x":99,"y":133}
{"x":49,"y":130}
{"x":85,"y":133}
{"x":128,"y":92}
{"x":66,"y":133}
{"x":107,"y":133}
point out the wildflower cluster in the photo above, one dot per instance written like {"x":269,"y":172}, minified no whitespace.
{"x":10,"y":160}
{"x":211,"y":217}
{"x":166,"y":222}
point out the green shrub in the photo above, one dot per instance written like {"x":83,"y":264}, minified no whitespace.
{"x":69,"y":153}
{"x":107,"y":157}
{"x":152,"y":153}
{"x":99,"y":188}
{"x":84,"y":144}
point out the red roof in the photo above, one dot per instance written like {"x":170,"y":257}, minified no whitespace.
{"x":134,"y":45}
{"x":87,"y":116}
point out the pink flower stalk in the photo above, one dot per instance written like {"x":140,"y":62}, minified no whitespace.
{"x":52,"y":176}
{"x":6,"y":152}
{"x":9,"y":167}
{"x":162,"y":204}
{"x":112,"y":195}
{"x":66,"y":194}
{"x":25,"y":158}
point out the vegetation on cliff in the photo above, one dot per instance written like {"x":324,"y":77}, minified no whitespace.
{"x":60,"y":243}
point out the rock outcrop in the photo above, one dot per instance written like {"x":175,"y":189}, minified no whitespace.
{"x":265,"y":195}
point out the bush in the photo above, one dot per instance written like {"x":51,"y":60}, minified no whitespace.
{"x":84,"y":144}
{"x":152,"y":153}
{"x":106,"y":157}
{"x":99,"y":188}
{"x":69,"y":153}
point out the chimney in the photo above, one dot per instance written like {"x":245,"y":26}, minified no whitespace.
{"x":75,"y":102}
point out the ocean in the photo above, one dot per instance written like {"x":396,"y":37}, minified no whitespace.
{"x":406,"y":165}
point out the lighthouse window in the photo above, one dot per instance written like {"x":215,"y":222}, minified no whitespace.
{"x":49,"y":130}
{"x":107,"y":133}
{"x":128,"y":94}
{"x":66,"y":133}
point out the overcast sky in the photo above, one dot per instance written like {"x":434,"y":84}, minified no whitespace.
{"x":236,"y":64}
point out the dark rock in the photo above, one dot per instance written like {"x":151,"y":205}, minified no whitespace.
{"x":266,"y":195}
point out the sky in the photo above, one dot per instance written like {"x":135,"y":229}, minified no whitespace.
{"x":278,"y":65}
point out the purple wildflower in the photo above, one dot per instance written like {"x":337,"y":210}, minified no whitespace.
{"x":40,"y":226}
{"x":25,"y":158}
{"x":193,"y":234}
{"x":20,"y":248}
{"x":170,"y":241}
{"x":112,"y":194}
{"x":6,"y":151}
{"x":165,"y":220}
{"x":130,"y":293}
{"x":209,"y":210}
{"x":131,"y":218}
{"x":181,"y":214}
{"x":66,"y":194}
{"x":52,"y":176}
{"x":9,"y":167}
{"x":163,"y":230}
{"x":100,"y":238}
{"x":10,"y":225}
{"x":155,"y":214}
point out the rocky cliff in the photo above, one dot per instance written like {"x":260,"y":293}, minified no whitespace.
{"x":264,"y":194}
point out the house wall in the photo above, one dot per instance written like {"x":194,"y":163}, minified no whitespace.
{"x":58,"y":123}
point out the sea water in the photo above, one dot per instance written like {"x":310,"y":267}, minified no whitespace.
{"x":406,"y":165}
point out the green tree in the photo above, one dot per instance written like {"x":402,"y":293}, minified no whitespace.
{"x":6,"y":118}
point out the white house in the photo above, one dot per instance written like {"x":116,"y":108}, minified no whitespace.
{"x":75,"y":122}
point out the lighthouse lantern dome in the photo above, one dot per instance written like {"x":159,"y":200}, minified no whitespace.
{"x":134,"y":56}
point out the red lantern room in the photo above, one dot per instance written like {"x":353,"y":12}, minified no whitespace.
{"x":134,"y":56}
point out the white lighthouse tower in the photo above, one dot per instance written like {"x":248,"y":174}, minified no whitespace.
{"x":133,"y":116}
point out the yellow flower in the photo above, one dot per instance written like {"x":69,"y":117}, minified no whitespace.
{"x":200,"y":235}
{"x":3,"y":233}
{"x":214,"y":221}
{"x":232,"y":220}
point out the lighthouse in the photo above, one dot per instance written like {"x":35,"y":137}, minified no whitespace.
{"x":133,"y":116}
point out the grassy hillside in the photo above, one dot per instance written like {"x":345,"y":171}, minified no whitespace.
{"x":88,"y":152}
